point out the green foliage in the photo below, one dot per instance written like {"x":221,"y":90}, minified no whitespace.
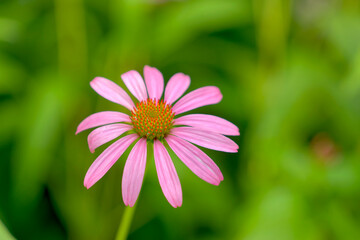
{"x":290,"y":75}
{"x":4,"y":234}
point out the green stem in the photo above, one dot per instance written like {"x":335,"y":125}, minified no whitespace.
{"x":125,"y":224}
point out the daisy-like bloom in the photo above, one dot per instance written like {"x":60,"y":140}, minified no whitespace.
{"x":155,"y":121}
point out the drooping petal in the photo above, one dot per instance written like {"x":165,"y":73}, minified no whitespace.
{"x":135,"y":84}
{"x":209,"y":122}
{"x":154,"y":82}
{"x":176,"y":87}
{"x":105,"y":134}
{"x":195,"y":159}
{"x":112,"y":92}
{"x":102,"y":118}
{"x":198,"y":98}
{"x":206,"y":139}
{"x":106,"y":159}
{"x":133,"y":174}
{"x":168,"y":178}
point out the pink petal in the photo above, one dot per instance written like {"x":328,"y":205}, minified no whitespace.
{"x":198,"y":98}
{"x":102,"y":118}
{"x":168,"y":178}
{"x":105,"y":134}
{"x":133,"y":174}
{"x":112,"y":92}
{"x":195,"y":159}
{"x":154,"y":82}
{"x":106,"y":159}
{"x":135,"y":84}
{"x":206,"y":139}
{"x":210,"y":123}
{"x":176,"y":87}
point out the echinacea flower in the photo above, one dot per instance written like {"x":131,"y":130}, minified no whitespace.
{"x":153,"y":120}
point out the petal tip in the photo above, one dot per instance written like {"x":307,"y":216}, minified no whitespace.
{"x":129,"y":73}
{"x":216,"y":183}
{"x":124,"y":75}
{"x":176,"y":204}
{"x":88,"y":181}
{"x":219,"y":94}
{"x":90,"y":145}
{"x":216,"y":180}
{"x":87,"y":185}
{"x":179,"y":204}
{"x":221,"y":178}
{"x":96,"y":79}
{"x":187,"y":79}
{"x":129,"y":204}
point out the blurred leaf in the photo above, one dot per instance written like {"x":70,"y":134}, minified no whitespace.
{"x":38,"y":136}
{"x":9,"y":30}
{"x":179,"y":24}
{"x":346,"y":39}
{"x":278,"y":214}
{"x":11,"y":75}
{"x":4,"y":233}
{"x":9,"y":121}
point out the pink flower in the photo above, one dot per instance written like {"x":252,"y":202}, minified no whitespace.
{"x":152,"y":120}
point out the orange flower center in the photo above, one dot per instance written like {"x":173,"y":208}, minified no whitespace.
{"x":152,"y":119}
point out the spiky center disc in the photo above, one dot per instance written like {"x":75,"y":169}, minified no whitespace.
{"x":152,"y":119}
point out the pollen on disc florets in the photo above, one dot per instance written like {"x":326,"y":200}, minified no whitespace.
{"x":152,"y":119}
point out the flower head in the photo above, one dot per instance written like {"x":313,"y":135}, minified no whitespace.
{"x":154,"y":121}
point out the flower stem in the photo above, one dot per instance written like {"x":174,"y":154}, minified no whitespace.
{"x":125,"y":224}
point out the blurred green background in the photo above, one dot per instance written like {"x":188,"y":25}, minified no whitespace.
{"x":290,"y":75}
